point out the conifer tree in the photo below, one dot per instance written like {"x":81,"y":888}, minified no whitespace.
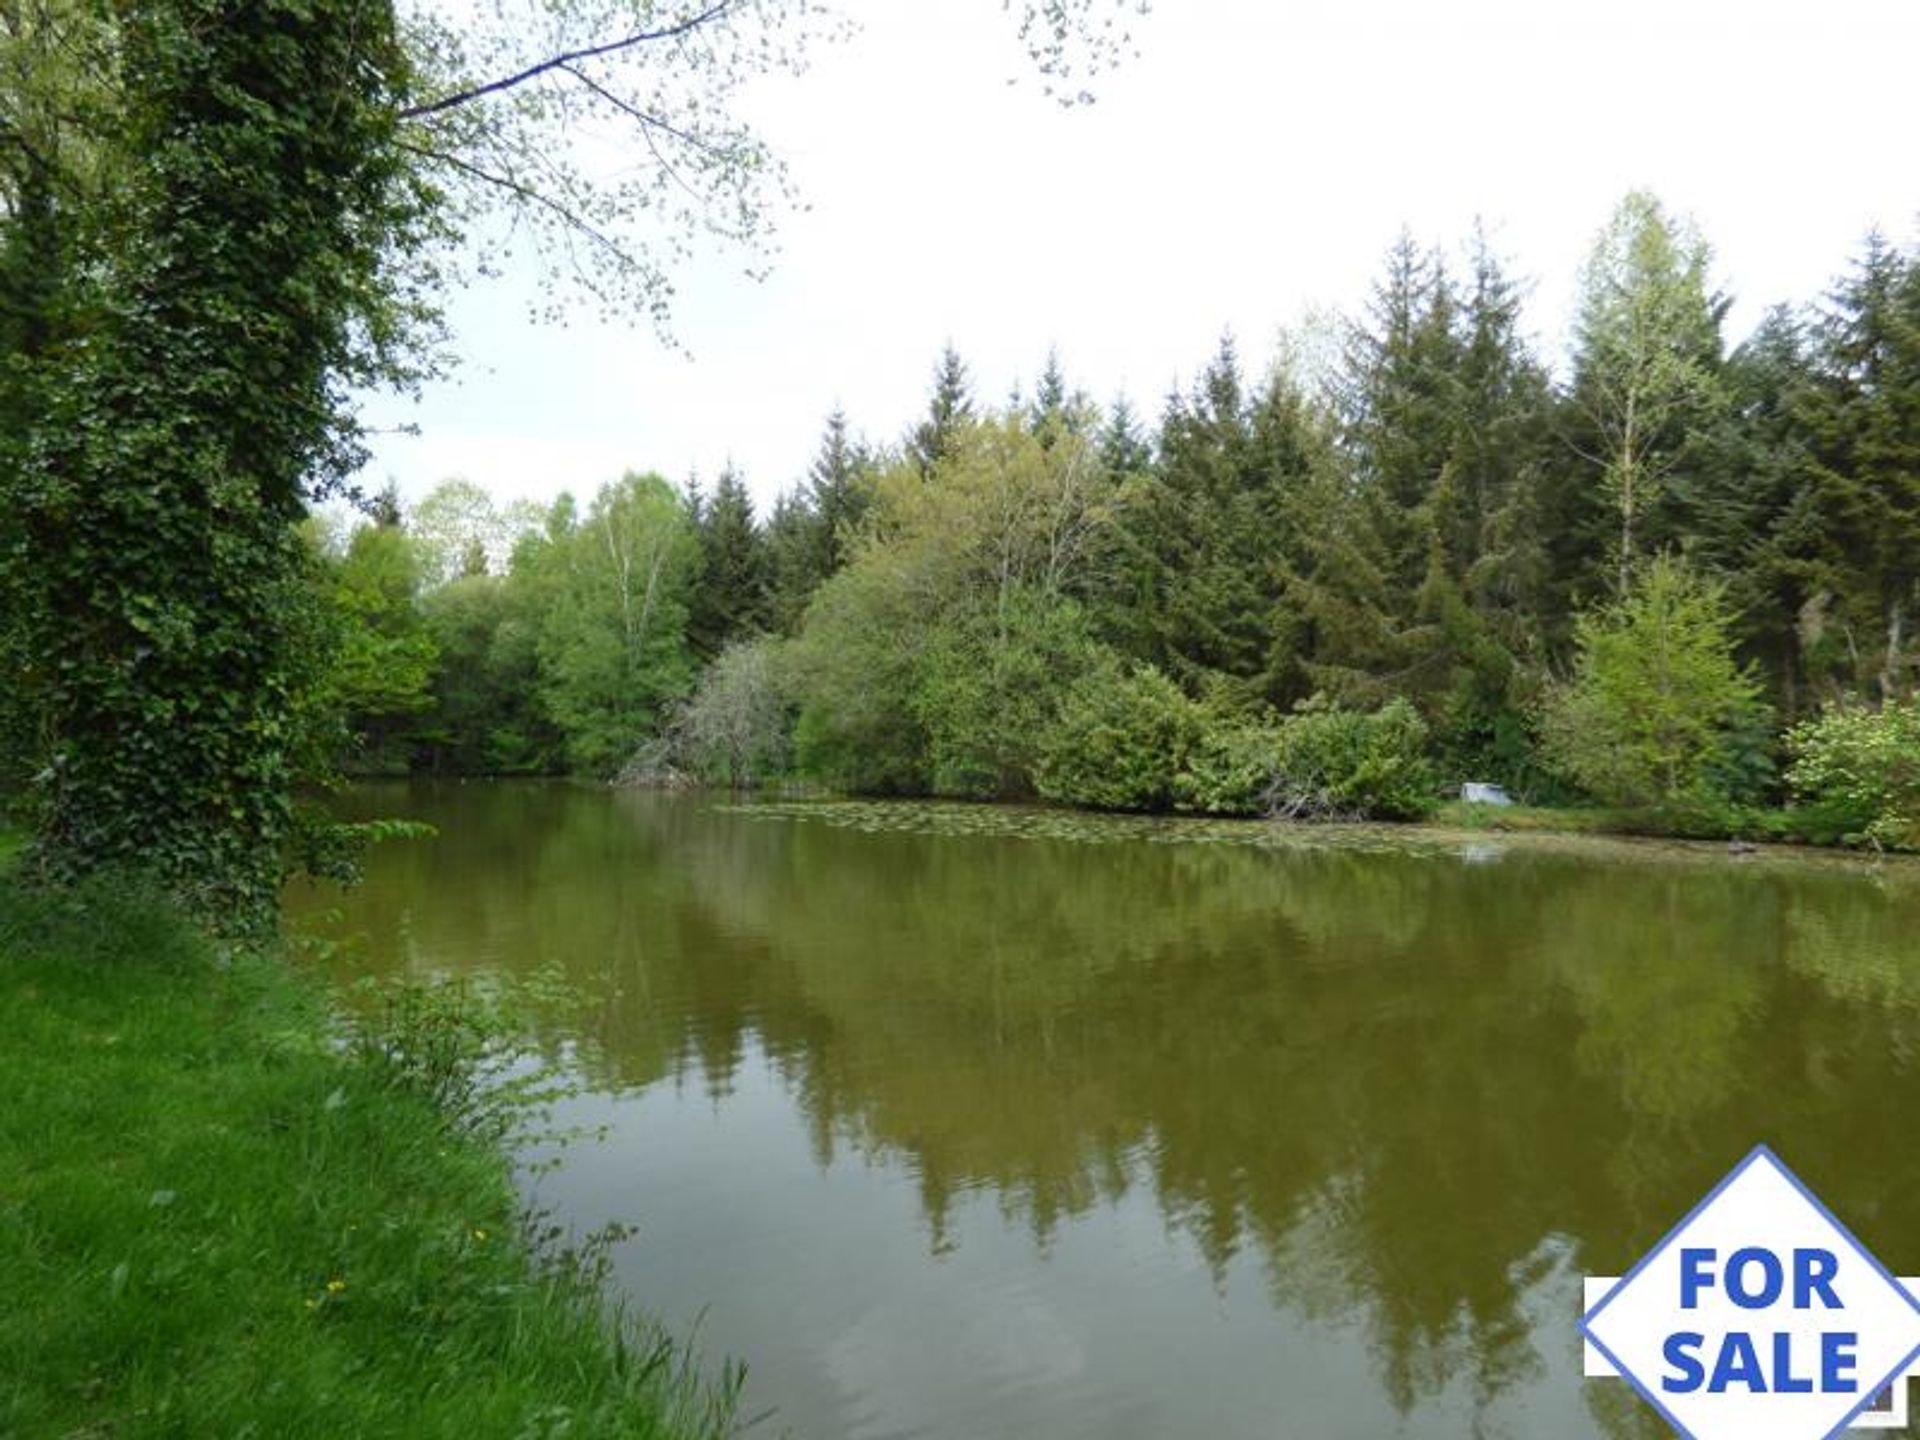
{"x":730,"y":592}
{"x":1755,"y":520}
{"x":839,"y":490}
{"x":1123,"y":449}
{"x":949,"y":409}
{"x":1051,"y":412}
{"x":811,"y":532}
{"x":1861,"y":421}
{"x":1204,"y":540}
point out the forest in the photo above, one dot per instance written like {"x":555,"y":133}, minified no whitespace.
{"x":1660,"y":573}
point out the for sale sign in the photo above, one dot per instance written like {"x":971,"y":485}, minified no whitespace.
{"x":1758,"y":1316}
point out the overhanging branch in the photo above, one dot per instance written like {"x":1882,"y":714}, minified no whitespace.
{"x":567,"y":58}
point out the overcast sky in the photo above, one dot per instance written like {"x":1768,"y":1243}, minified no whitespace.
{"x":1250,"y":166}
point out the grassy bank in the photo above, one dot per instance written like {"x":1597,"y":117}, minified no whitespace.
{"x":213,"y":1221}
{"x":1747,"y":823}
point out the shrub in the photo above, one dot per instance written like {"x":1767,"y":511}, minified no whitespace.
{"x":1119,"y":741}
{"x":1855,"y":775}
{"x":736,"y":727}
{"x":1338,"y":764}
{"x":1230,"y":766}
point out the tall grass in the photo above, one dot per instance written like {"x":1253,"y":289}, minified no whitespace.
{"x":217,"y":1220}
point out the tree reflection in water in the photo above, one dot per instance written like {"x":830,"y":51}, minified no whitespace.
{"x":1420,"y":1086}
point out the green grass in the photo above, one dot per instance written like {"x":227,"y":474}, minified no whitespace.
{"x":213,"y":1221}
{"x":1543,"y":819}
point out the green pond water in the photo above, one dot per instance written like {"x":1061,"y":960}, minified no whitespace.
{"x":960,"y":1122}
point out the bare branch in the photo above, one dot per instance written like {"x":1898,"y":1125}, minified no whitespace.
{"x":570,"y":57}
{"x":643,"y":117}
{"x":569,"y":218}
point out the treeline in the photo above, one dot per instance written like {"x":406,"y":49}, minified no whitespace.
{"x":1672,"y":576}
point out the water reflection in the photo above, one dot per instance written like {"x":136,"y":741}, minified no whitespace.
{"x":965,"y":1134}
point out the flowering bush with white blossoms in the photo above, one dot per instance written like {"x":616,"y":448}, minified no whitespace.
{"x":1857,"y":771}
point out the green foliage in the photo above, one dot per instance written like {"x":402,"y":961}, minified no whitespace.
{"x":1119,"y":742}
{"x":1338,"y":764}
{"x":812,"y":532}
{"x":1856,"y":775}
{"x":991,"y":677}
{"x":1659,"y":702}
{"x":949,"y":411}
{"x":1193,"y":583}
{"x":935,"y":662}
{"x":611,"y":590}
{"x":1647,"y":367}
{"x":383,"y":661}
{"x":488,"y":717}
{"x":856,"y":678}
{"x":459,"y":531}
{"x":1849,"y":538}
{"x":1230,"y":766}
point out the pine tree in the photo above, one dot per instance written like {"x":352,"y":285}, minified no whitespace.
{"x":950,"y":408}
{"x":1755,"y":520}
{"x":792,"y":560}
{"x":838,"y":492}
{"x":730,"y":594}
{"x":1375,"y":542}
{"x":1123,"y":450}
{"x":1861,"y":419}
{"x":1203,"y":574}
{"x":811,"y":533}
{"x":1055,"y":410}
{"x":1396,"y":391}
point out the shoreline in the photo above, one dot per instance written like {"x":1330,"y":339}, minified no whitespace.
{"x":220,"y":1216}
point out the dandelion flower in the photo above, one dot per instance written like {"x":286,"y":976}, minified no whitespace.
{"x":334,"y":1287}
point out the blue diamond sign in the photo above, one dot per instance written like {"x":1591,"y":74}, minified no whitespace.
{"x":1758,"y":1316}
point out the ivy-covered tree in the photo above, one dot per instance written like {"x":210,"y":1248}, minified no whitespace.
{"x":252,"y":261}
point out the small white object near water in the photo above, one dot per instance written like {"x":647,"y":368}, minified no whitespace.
{"x":1477,"y":794}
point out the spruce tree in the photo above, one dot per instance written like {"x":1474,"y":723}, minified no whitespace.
{"x":1123,"y":449}
{"x":1756,"y":520}
{"x":1861,"y":420}
{"x":730,"y":598}
{"x":811,"y":533}
{"x":1204,"y":544}
{"x":838,"y":492}
{"x":1056,"y":410}
{"x":949,"y":409}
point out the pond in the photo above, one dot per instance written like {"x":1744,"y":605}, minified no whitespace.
{"x":962,"y":1122}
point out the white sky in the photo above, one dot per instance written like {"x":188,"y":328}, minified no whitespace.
{"x":1255,"y":161}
